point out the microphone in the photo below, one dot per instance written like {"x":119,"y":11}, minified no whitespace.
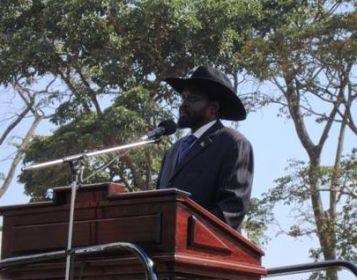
{"x":166,"y":127}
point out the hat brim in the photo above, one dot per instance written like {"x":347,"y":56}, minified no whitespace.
{"x":231,"y":107}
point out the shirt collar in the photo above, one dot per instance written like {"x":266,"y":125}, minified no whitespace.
{"x":199,"y":132}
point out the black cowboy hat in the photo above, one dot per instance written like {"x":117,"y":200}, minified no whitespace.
{"x":217,"y":85}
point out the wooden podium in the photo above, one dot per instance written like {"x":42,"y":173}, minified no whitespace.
{"x":184,"y":240}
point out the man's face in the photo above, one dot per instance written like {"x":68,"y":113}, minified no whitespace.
{"x":194,"y":110}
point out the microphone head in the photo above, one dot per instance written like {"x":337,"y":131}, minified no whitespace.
{"x":169,"y":127}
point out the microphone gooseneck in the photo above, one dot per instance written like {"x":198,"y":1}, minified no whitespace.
{"x":166,"y":127}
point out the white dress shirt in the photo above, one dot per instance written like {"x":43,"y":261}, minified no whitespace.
{"x":199,"y":132}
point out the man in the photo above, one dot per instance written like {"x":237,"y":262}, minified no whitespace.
{"x":214,"y":163}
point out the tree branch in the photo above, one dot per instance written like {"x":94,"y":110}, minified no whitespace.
{"x":122,"y":175}
{"x":292,"y":99}
{"x":14,"y":124}
{"x":92,"y":93}
{"x":19,"y":154}
{"x":73,"y":90}
{"x":348,"y":105}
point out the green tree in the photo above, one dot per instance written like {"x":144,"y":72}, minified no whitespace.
{"x":310,"y":58}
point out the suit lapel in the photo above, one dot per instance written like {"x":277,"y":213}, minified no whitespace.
{"x":201,"y":144}
{"x":170,"y":164}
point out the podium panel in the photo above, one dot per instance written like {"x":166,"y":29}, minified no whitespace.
{"x":184,"y":240}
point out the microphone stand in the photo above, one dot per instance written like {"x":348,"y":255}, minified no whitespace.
{"x":77,"y":167}
{"x":89,"y":154}
{"x":76,"y":163}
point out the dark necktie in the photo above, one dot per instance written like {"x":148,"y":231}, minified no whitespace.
{"x":185,"y":147}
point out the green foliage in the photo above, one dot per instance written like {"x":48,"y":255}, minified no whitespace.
{"x":257,"y":221}
{"x":294,"y":190}
{"x":122,"y":43}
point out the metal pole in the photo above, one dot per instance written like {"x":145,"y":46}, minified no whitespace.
{"x":76,"y":167}
{"x":307,"y":267}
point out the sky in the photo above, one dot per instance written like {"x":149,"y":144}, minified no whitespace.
{"x":274,"y":142}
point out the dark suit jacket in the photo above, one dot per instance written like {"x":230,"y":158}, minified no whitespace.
{"x":217,"y":171}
